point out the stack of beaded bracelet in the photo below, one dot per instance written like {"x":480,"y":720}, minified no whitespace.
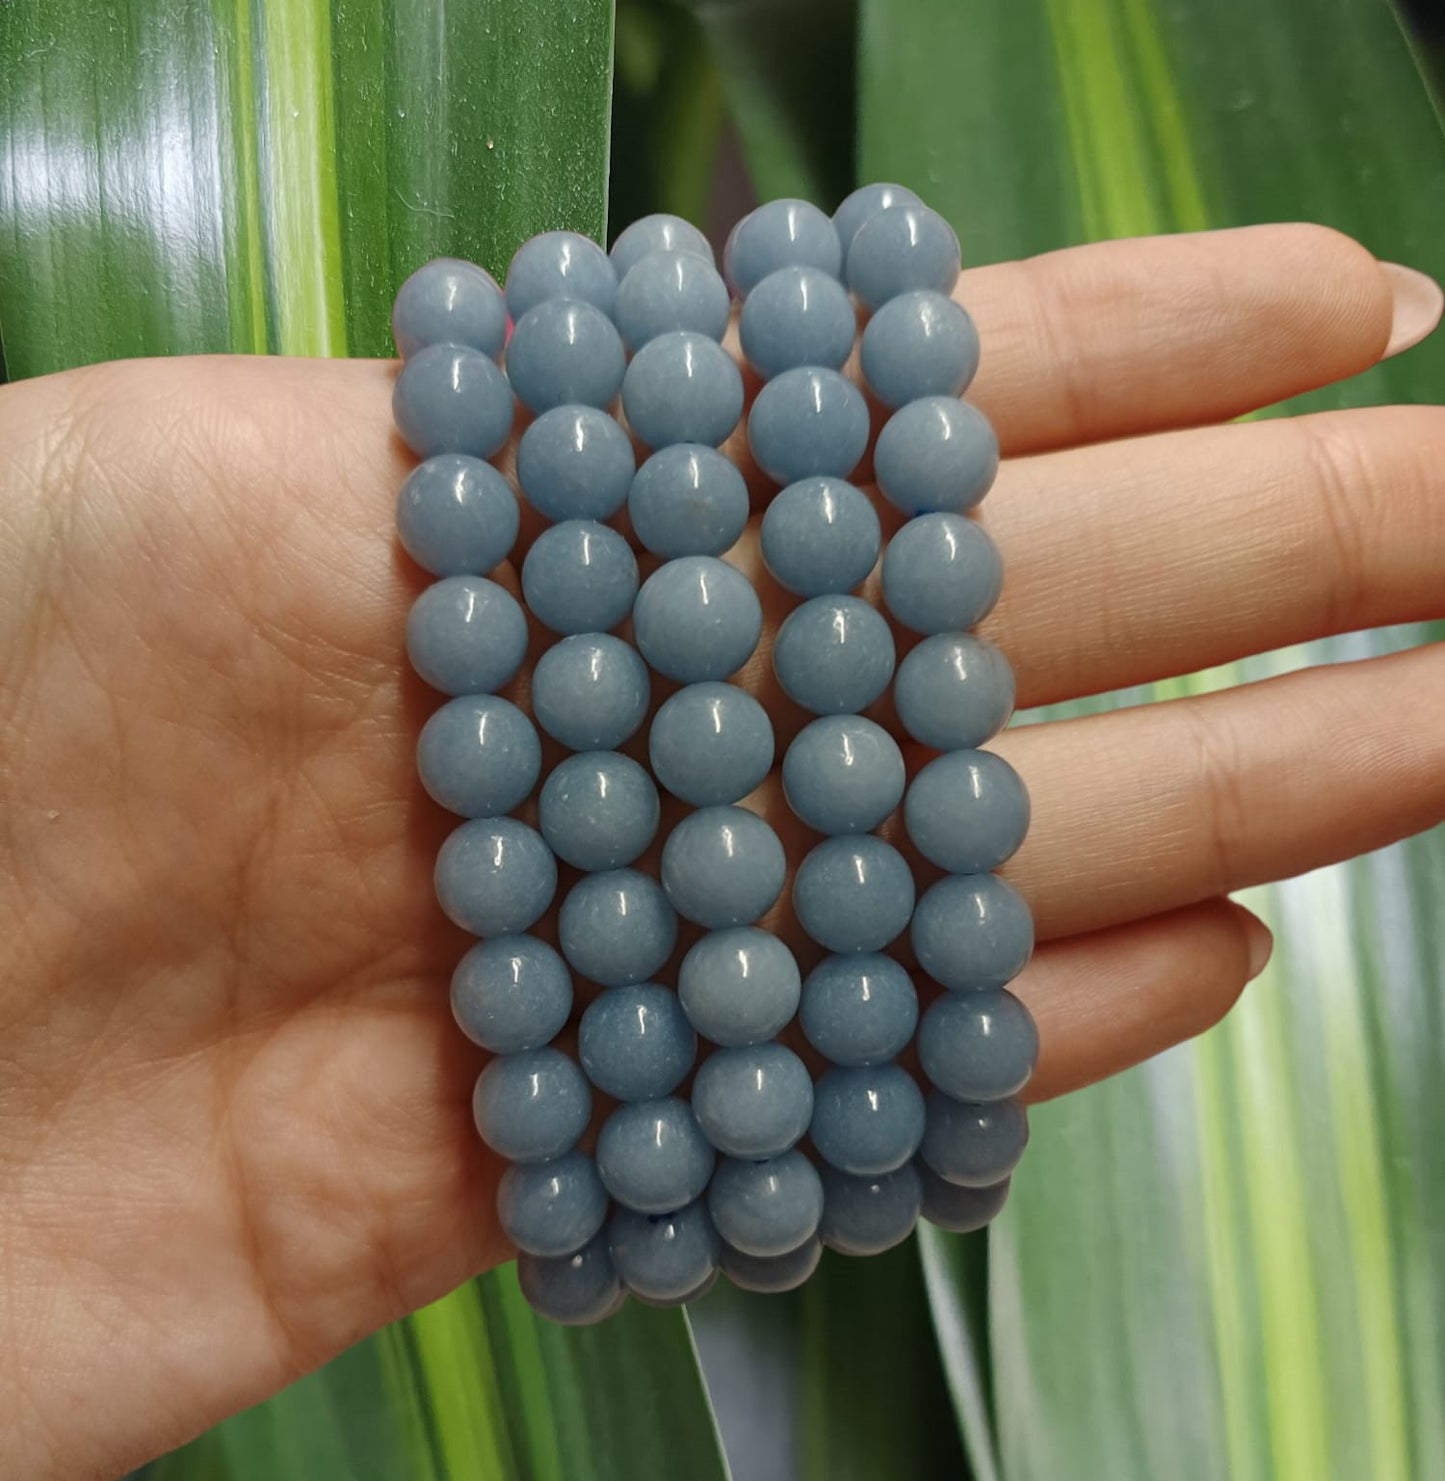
{"x":680,"y":1186}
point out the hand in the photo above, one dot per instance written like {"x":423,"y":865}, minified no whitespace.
{"x":234,"y":1124}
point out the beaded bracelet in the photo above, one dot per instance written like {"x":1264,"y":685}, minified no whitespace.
{"x":696,"y":1166}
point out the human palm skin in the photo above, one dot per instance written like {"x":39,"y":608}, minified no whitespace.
{"x":234,"y":1122}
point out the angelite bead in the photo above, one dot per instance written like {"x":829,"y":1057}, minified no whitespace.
{"x":978,"y":1045}
{"x":865,"y":203}
{"x":579,"y":577}
{"x":688,"y":500}
{"x":617,"y":927}
{"x":452,"y":399}
{"x":598,"y":810}
{"x":511,"y":993}
{"x":782,"y":233}
{"x":667,"y":291}
{"x":659,"y":232}
{"x":954,"y":691}
{"x":495,"y":876}
{"x":967,"y":811}
{"x":448,"y":301}
{"x":456,"y":516}
{"x":723,"y":866}
{"x":797,"y":316}
{"x":936,"y":453}
{"x":808,"y":421}
{"x":575,"y":462}
{"x":590,"y":691}
{"x":972,"y":932}
{"x":682,"y":387}
{"x":767,"y":1208}
{"x":901,"y":250}
{"x":575,"y":1290}
{"x":688,"y":1297}
{"x":565,"y":351}
{"x":710,"y":744}
{"x":859,"y":1009}
{"x":635,"y":1042}
{"x":867,"y":1120}
{"x":853,"y":893}
{"x":772,"y":1274}
{"x":739,"y":986}
{"x":971,"y":1145}
{"x":843,"y":774}
{"x":820,"y":535}
{"x":865,"y":1216}
{"x":560,"y":264}
{"x":552,"y":1208}
{"x":956,"y":1209}
{"x":664,"y":1257}
{"x":532,"y":1106}
{"x":697,"y":618}
{"x":466,"y":635}
{"x":478,"y":756}
{"x":919,"y":344}
{"x":753,"y":1101}
{"x":941,"y":573}
{"x":834,"y":655}
{"x":653,"y":1156}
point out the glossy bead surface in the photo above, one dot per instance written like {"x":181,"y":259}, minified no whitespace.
{"x":697,"y":618}
{"x":635,"y":1042}
{"x":941,"y":573}
{"x":510,"y":993}
{"x":590,"y":691}
{"x":806,"y":422}
{"x":797,"y":316}
{"x":901,"y":250}
{"x":664,"y":1257}
{"x":853,"y":893}
{"x":771,"y":1275}
{"x":843,"y":774}
{"x":598,"y":810}
{"x":688,"y":500}
{"x":867,"y":1121}
{"x":919,"y":344}
{"x":579,"y":576}
{"x":954,"y":692}
{"x":456,"y":516}
{"x":659,"y":232}
{"x":575,"y":462}
{"x":957,"y":1209}
{"x":575,"y":1290}
{"x":723,"y":866}
{"x":936,"y":453}
{"x":865,"y":1216}
{"x":617,"y":928}
{"x":532,"y":1106}
{"x":466,"y":635}
{"x":781,"y":233}
{"x":449,"y":301}
{"x":967,"y":811}
{"x":451,"y":399}
{"x":552,"y":1208}
{"x":972,"y":932}
{"x":754,"y":1101}
{"x":973,"y":1146}
{"x":668,"y":291}
{"x":766,"y":1208}
{"x":820,"y":535}
{"x":495,"y":876}
{"x":560,"y":264}
{"x":834,"y":655}
{"x":564,"y":352}
{"x":865,"y":203}
{"x":978,"y":1045}
{"x":478,"y":756}
{"x":859,"y":1009}
{"x":710,"y":744}
{"x":739,"y":986}
{"x":653,"y":1156}
{"x":682,"y":387}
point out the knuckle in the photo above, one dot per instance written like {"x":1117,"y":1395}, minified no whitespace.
{"x":1217,"y":791}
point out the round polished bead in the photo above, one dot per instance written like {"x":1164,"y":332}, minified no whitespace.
{"x":565,"y":352}
{"x":973,"y":932}
{"x":617,"y":928}
{"x":723,"y":866}
{"x":448,"y":301}
{"x":575,"y":462}
{"x":978,"y":1045}
{"x":452,"y":399}
{"x":560,"y":264}
{"x":579,"y":577}
{"x":901,"y":250}
{"x":478,"y":756}
{"x":782,"y":233}
{"x":466,"y":635}
{"x":767,"y":1208}
{"x":859,"y":1009}
{"x":865,"y":1216}
{"x":710,"y":744}
{"x":598,"y":810}
{"x":697,"y":618}
{"x":576,"y":1290}
{"x":967,"y":811}
{"x":687,"y":1299}
{"x":937,"y":453}
{"x":956,"y":1209}
{"x":495,"y":876}
{"x":590,"y":691}
{"x":971,"y":1145}
{"x":806,"y":422}
{"x":552,"y":1208}
{"x":664,"y":1257}
{"x":919,"y":344}
{"x":834,"y":655}
{"x":753,"y":1101}
{"x":688,"y":500}
{"x":682,"y":387}
{"x":532,"y":1106}
{"x":843,"y":774}
{"x":865,"y":203}
{"x":853,"y":893}
{"x":797,"y":316}
{"x":635,"y":1042}
{"x":668,"y":291}
{"x":739,"y":986}
{"x":511,"y":993}
{"x":771,"y":1275}
{"x":653,"y":1156}
{"x":954,"y":691}
{"x":867,"y":1120}
{"x":941,"y":573}
{"x":659,"y":232}
{"x":820,"y":535}
{"x":456,"y":516}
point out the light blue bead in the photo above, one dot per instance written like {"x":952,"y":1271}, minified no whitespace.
{"x":560,"y":264}
{"x":532,"y":1106}
{"x":970,"y":1145}
{"x":865,"y":203}
{"x":590,"y":691}
{"x":834,"y":655}
{"x":696,"y":1294}
{"x":771,"y":1275}
{"x":973,"y":932}
{"x":867,"y":1121}
{"x":575,"y":1290}
{"x":954,"y":692}
{"x":575,"y":462}
{"x":564,"y":352}
{"x":901,"y":250}
{"x":448,"y":301}
{"x":456,"y":516}
{"x":665,"y":1258}
{"x":659,"y":232}
{"x":941,"y":573}
{"x":710,"y":743}
{"x":936,"y":453}
{"x":739,"y":986}
{"x":978,"y":1045}
{"x":466,"y":635}
{"x":797,"y":316}
{"x":755,"y":1101}
{"x":865,"y":1216}
{"x":853,"y":893}
{"x":859,"y":1009}
{"x":598,"y":810}
{"x":452,"y":399}
{"x":682,"y":387}
{"x":821,"y":535}
{"x":723,"y":866}
{"x":782,"y":233}
{"x":967,"y":811}
{"x":617,"y":928}
{"x":767,"y":1208}
{"x":959,"y":1210}
{"x":653,"y":1156}
{"x":635,"y":1042}
{"x":579,"y":577}
{"x":688,"y":500}
{"x":697,"y":618}
{"x":479,"y":756}
{"x":919,"y":344}
{"x":495,"y":876}
{"x":511,"y":993}
{"x":667,"y":291}
{"x":552,"y":1208}
{"x":806,"y":422}
{"x":843,"y":774}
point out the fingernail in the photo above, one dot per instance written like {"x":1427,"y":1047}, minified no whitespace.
{"x":1261,"y":946}
{"x":1418,"y":301}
